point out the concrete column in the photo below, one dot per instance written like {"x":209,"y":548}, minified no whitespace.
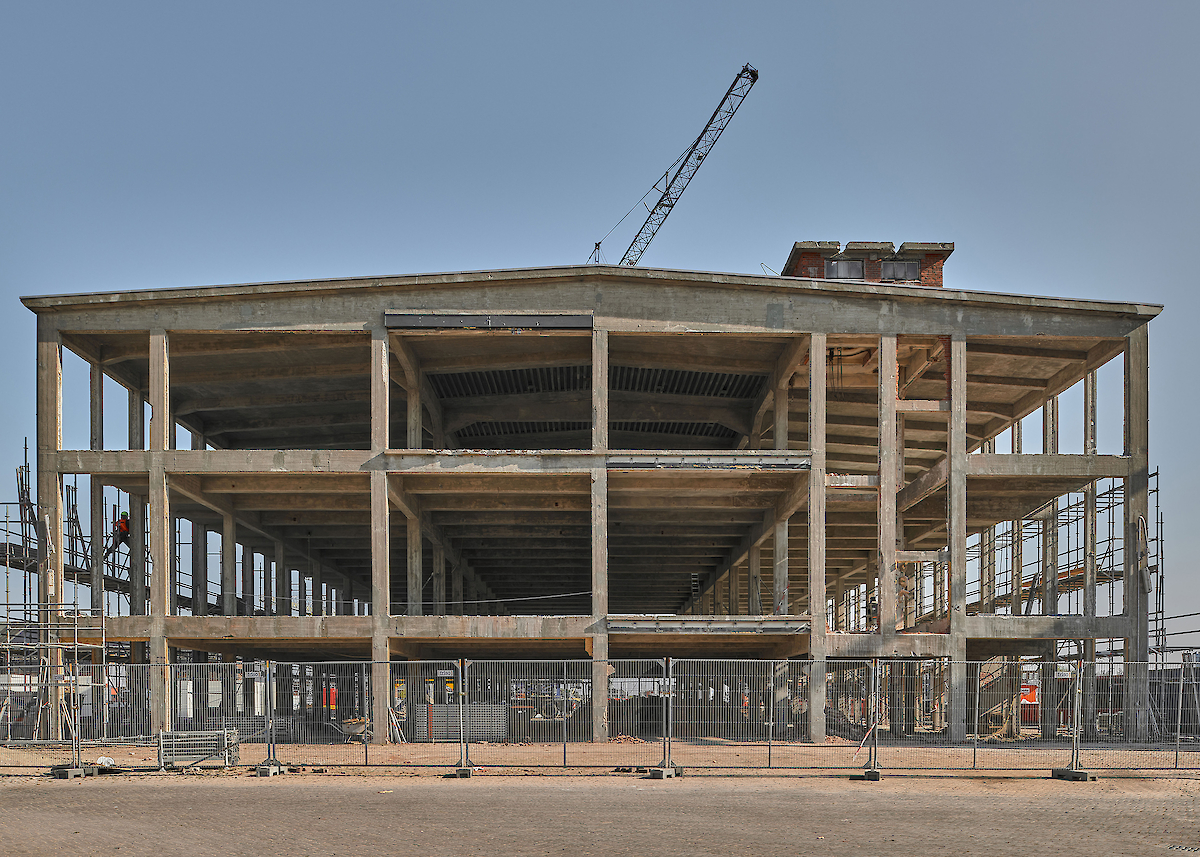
{"x":754,"y":581}
{"x":318,"y":579}
{"x":283,"y":583}
{"x":816,"y":536}
{"x":173,"y":553}
{"x":1049,"y":524}
{"x":957,"y":529}
{"x":599,"y":390}
{"x":890,"y":471}
{"x":1089,"y":558}
{"x":416,"y":565}
{"x":456,"y":590}
{"x":381,"y":548}
{"x":49,"y":496}
{"x":247,"y":581}
{"x":415,"y":435}
{"x":137,"y":520}
{"x":199,"y":570}
{"x":599,"y":503}
{"x":987,"y":556}
{"x":304,"y":581}
{"x":1015,"y":602}
{"x":735,"y":590}
{"x":781,"y":573}
{"x":380,"y":389}
{"x":160,"y":576}
{"x":160,"y":543}
{"x":228,"y":566}
{"x":839,"y":604}
{"x":96,"y":491}
{"x":600,"y":673}
{"x":160,"y":709}
{"x":162,"y":570}
{"x":1137,"y":533}
{"x":599,"y":542}
{"x":439,"y":580}
{"x":381,"y":684}
{"x":160,"y":392}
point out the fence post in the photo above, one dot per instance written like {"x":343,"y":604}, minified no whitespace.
{"x":771,"y":726}
{"x":271,"y":682}
{"x":466,"y":672}
{"x":462,"y":735}
{"x":978,"y":691}
{"x":875,"y":714}
{"x":564,"y":710}
{"x":1076,"y":721}
{"x":1179,"y":714}
{"x":366,"y":704}
{"x":670,"y":714}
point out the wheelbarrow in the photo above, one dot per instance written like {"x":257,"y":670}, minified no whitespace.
{"x":355,"y":729}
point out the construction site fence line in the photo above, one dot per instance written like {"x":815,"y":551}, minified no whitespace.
{"x":903,"y":714}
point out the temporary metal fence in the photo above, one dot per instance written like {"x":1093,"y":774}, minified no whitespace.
{"x":930,"y":714}
{"x":69,"y":714}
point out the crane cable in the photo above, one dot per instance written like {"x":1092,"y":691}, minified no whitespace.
{"x":653,"y":189}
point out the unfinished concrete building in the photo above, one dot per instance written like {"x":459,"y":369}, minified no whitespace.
{"x":599,"y":461}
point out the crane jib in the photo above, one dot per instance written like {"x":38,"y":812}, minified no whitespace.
{"x":691,"y":162}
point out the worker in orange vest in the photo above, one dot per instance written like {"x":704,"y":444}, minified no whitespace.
{"x":120,"y":534}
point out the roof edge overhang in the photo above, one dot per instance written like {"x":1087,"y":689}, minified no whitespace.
{"x":879,"y":291}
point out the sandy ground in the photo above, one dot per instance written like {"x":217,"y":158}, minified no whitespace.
{"x":331,"y":814}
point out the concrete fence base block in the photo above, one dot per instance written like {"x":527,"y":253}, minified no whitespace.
{"x":1072,"y":775}
{"x":270,"y":769}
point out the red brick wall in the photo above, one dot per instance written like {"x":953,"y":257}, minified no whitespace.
{"x":931,"y":270}
{"x":810,"y":266}
{"x":872,"y":270}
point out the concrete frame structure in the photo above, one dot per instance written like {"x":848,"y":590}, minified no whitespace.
{"x":660,"y":463}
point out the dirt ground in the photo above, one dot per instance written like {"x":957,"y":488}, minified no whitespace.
{"x":615,"y":814}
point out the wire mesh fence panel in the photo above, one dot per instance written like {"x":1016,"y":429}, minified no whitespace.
{"x":1020,"y":715}
{"x":114,"y":715}
{"x":725,"y":713}
{"x":791,"y":745}
{"x":38,"y":717}
{"x":637,"y":712}
{"x":526,"y":713}
{"x":848,"y":712}
{"x":1135,"y":717}
{"x":320,"y":713}
{"x":426,"y":715}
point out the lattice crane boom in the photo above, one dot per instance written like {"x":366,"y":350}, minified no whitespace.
{"x":691,"y":162}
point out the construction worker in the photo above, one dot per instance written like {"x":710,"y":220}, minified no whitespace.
{"x":120,"y":533}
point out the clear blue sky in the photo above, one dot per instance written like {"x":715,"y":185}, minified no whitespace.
{"x":167,"y":144}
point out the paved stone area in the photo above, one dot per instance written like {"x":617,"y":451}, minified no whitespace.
{"x":332,"y":814}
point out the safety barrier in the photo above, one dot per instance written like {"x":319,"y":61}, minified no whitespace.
{"x":931,"y":714}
